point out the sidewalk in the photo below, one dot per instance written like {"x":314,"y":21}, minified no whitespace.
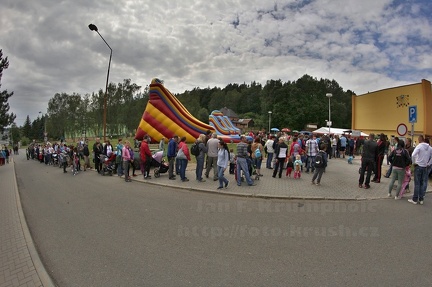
{"x":339,"y":182}
{"x":19,"y":262}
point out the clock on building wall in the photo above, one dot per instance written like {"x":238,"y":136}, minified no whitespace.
{"x":402,"y":101}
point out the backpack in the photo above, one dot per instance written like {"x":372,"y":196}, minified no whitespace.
{"x":195,"y":149}
{"x":319,"y":160}
{"x":257,"y":153}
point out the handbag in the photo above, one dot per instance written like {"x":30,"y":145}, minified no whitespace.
{"x":181,"y":154}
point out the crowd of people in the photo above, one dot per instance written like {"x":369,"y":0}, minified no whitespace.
{"x":293,"y":154}
{"x":403,"y":159}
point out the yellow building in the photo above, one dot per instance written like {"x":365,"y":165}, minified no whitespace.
{"x":383,"y":111}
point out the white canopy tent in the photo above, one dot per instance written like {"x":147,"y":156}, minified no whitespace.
{"x":337,"y":131}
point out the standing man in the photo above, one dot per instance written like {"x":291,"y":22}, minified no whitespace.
{"x":86,"y":154}
{"x":422,"y":159}
{"x":381,"y":144}
{"x":270,"y":152}
{"x":242,"y":165}
{"x":368,"y":161}
{"x":311,"y":152}
{"x":172,"y":153}
{"x":212,"y":155}
{"x":97,"y":150}
{"x":343,"y":144}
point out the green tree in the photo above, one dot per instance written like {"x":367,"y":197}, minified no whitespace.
{"x":5,"y":118}
{"x":26,"y":129}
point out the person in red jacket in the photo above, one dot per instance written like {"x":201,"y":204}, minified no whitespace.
{"x":146,"y":157}
{"x":183,"y":156}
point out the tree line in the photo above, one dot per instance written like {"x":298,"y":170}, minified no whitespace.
{"x":293,"y":104}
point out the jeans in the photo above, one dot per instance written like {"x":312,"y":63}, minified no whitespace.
{"x":222,"y":178}
{"x":242,"y":165}
{"x":199,"y":167}
{"x":398,"y":174}
{"x":420,"y":183}
{"x":269,"y":160}
{"x":120,"y":170}
{"x":258,"y":162}
{"x":310,"y":163}
{"x":183,"y":165}
{"x":177,"y":166}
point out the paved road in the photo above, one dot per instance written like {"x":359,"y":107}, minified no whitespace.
{"x":100,"y":231}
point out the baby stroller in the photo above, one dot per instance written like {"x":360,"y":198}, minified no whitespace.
{"x":159,"y":162}
{"x":108,"y":164}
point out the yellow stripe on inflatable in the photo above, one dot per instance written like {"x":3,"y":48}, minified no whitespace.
{"x":178,"y":112}
{"x":167,"y":123}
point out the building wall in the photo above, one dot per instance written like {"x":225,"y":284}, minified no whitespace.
{"x":382,"y":111}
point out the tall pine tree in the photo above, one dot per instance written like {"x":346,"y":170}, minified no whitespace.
{"x":5,"y":118}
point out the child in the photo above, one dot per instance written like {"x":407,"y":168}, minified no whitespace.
{"x":290,"y":166}
{"x":297,"y":166}
{"x":320,"y":165}
{"x":406,"y":181}
{"x":232,"y":162}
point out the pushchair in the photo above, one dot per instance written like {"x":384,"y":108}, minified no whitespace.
{"x":159,"y":162}
{"x":108,"y":164}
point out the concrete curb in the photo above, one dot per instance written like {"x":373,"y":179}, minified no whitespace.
{"x":39,"y":267}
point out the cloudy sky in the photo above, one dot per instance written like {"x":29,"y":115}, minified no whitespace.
{"x":365,"y":45}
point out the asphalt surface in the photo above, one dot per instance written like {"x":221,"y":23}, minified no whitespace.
{"x":100,"y":231}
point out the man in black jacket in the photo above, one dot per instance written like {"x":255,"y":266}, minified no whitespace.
{"x":368,"y":160}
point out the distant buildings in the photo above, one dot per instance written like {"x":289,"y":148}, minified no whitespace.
{"x":243,"y":124}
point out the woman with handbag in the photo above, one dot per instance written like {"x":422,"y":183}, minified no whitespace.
{"x":183,"y":156}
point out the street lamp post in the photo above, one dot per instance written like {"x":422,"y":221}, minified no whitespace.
{"x":45,"y":133}
{"x":329,"y":123}
{"x":269,"y":113}
{"x":93,"y":27}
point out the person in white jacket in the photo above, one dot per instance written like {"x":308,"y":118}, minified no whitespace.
{"x":422,"y":160}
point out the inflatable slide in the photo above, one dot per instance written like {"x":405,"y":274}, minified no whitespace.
{"x":223,"y":125}
{"x":165,"y":116}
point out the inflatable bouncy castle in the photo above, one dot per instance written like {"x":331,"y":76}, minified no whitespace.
{"x":165,"y":116}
